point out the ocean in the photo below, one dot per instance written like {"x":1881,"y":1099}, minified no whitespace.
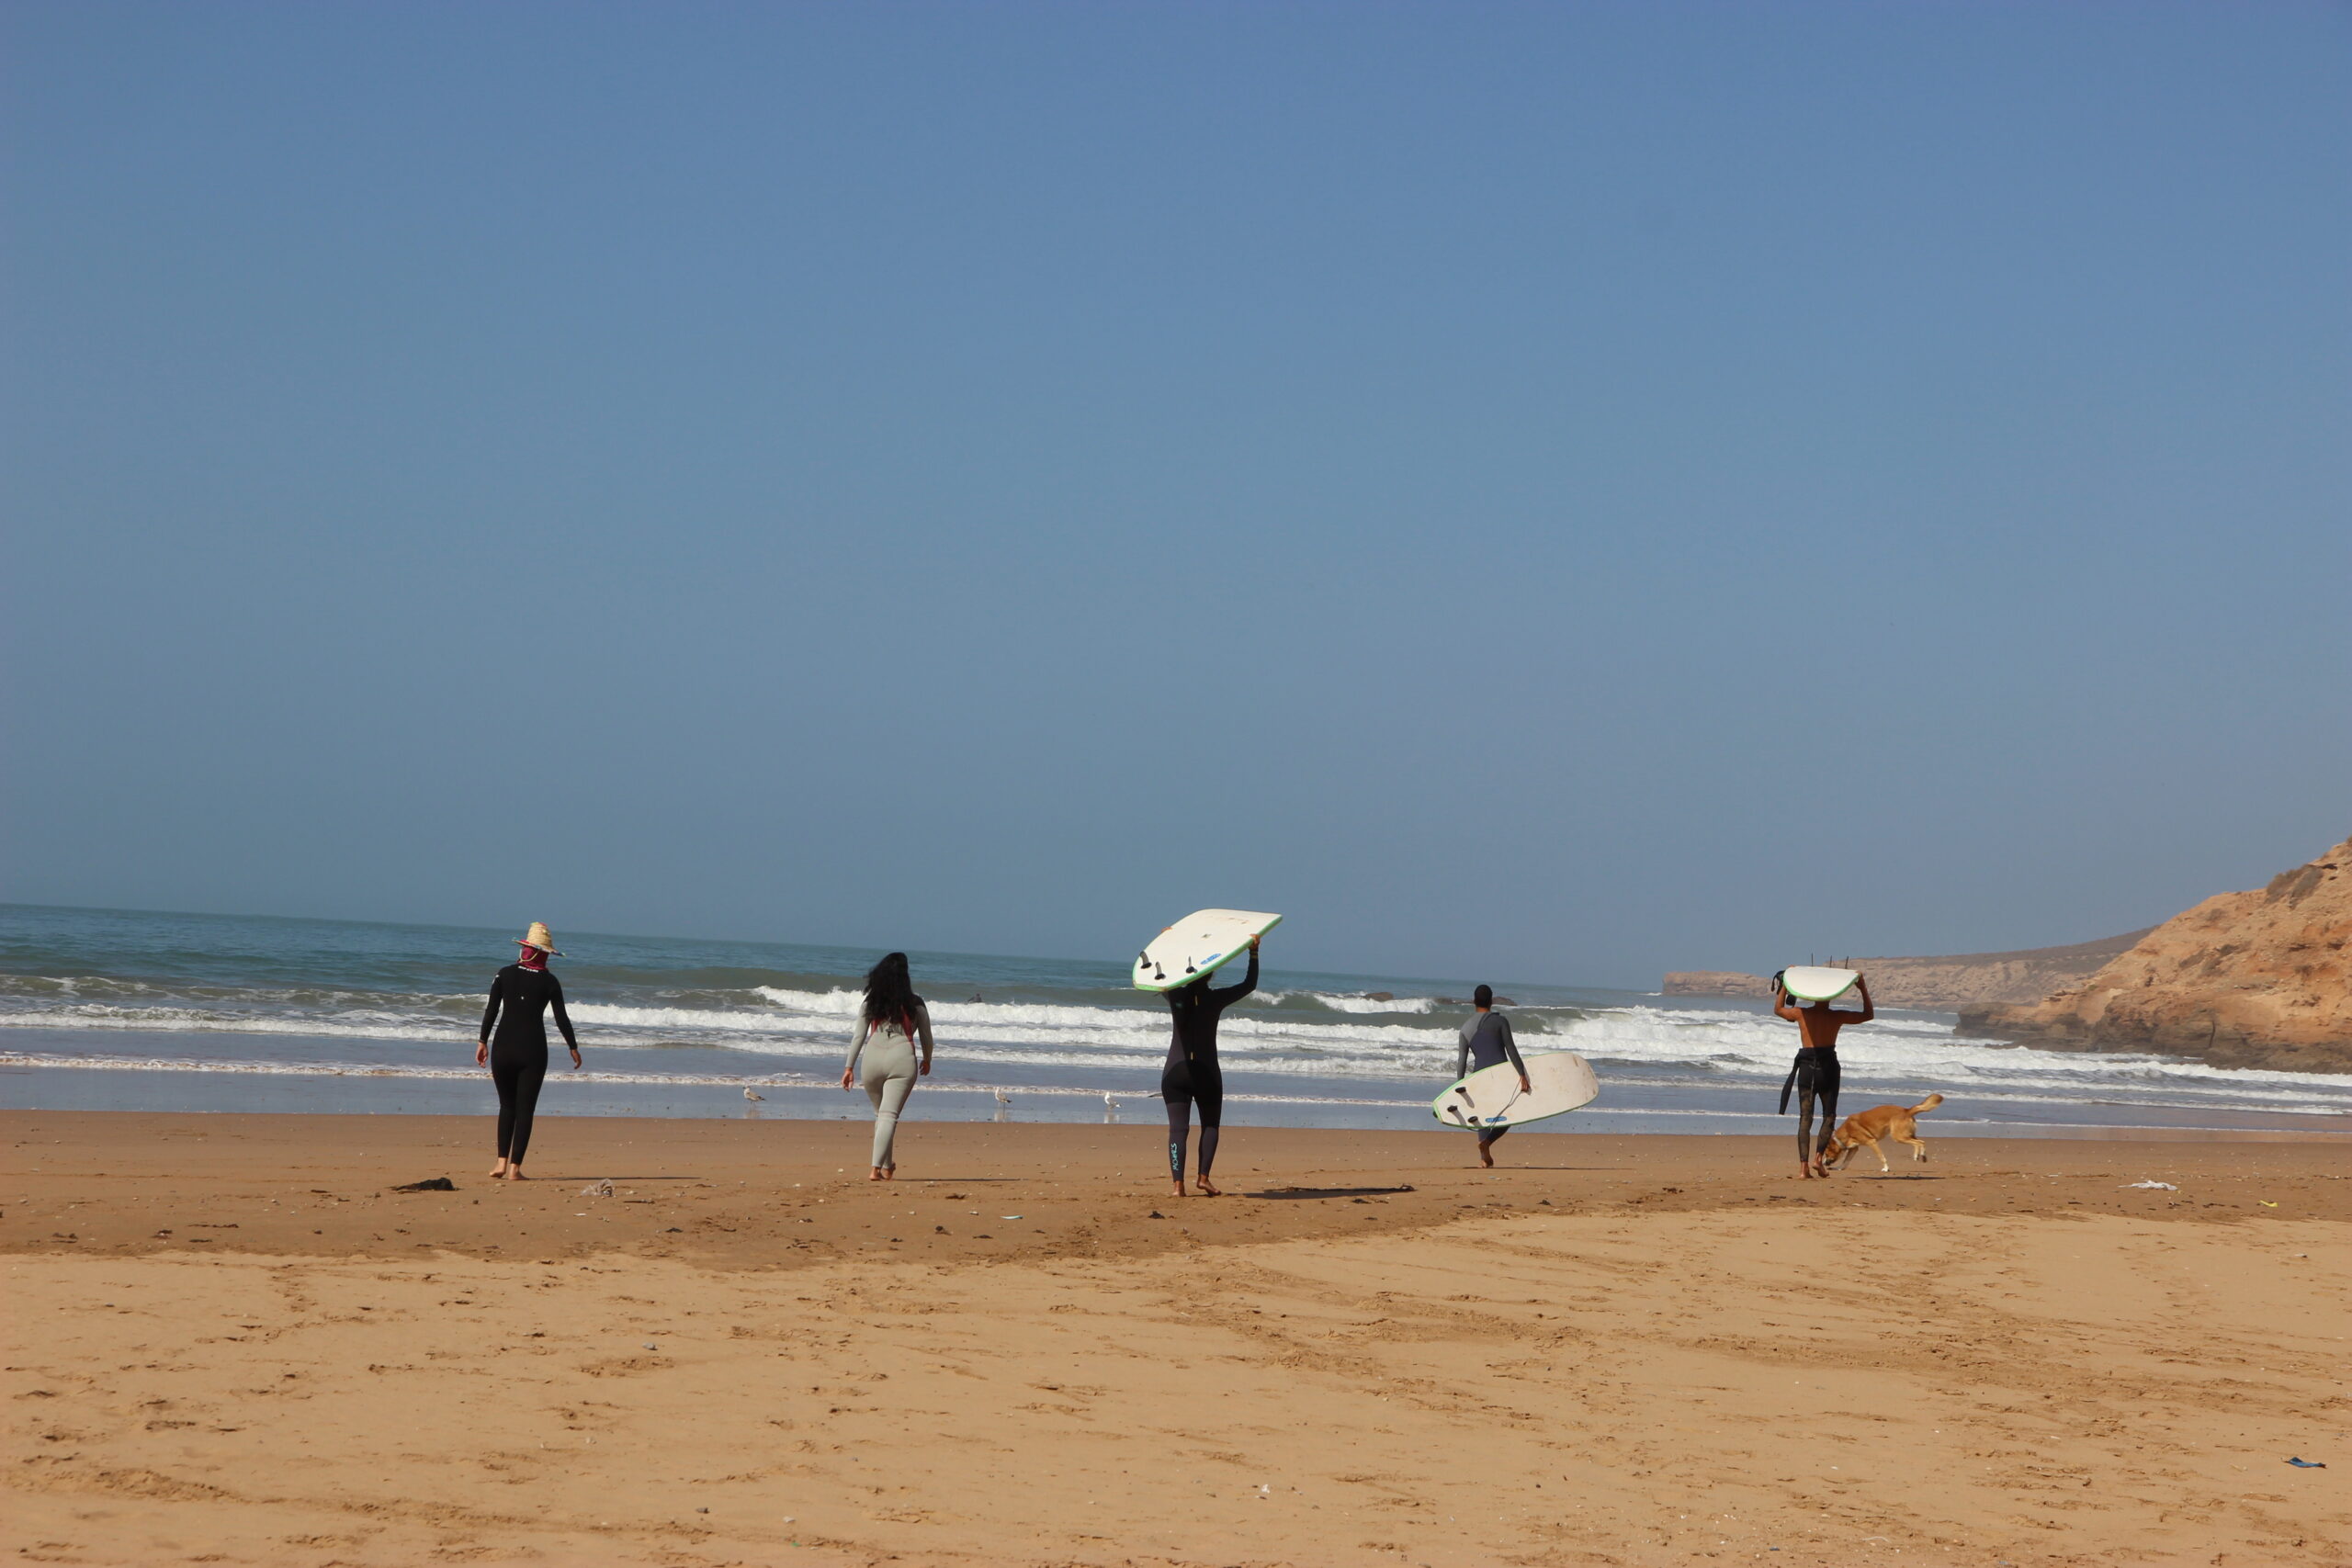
{"x":120,"y":1010}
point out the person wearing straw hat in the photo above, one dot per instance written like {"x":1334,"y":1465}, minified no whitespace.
{"x":515,"y":1049}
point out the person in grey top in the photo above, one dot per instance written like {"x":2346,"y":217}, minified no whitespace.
{"x":1486,"y":1041}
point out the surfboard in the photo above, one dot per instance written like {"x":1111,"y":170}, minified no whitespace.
{"x":1198,"y":944}
{"x":1809,"y":983}
{"x":1491,"y":1096}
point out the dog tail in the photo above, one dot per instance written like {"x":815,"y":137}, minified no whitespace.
{"x":1928,"y":1104}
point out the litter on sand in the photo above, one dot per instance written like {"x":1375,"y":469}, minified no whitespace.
{"x":598,"y":1190}
{"x":2150,"y":1186}
{"x":2307,"y":1464}
{"x":443,"y":1184}
{"x":2265,"y":1202}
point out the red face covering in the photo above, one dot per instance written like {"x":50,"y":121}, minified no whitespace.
{"x":532,"y":958}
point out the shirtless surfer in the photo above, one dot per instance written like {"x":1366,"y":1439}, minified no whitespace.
{"x":1486,"y":1041}
{"x":1816,"y":1072}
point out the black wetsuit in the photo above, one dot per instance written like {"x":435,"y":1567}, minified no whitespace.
{"x":1814,"y":1074}
{"x":1193,"y":1074}
{"x":519,"y":1000}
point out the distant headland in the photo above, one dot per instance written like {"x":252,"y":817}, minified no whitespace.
{"x":2261,"y":979}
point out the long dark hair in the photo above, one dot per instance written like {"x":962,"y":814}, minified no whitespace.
{"x":890,"y":994}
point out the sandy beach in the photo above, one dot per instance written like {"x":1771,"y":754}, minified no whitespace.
{"x":229,"y":1341}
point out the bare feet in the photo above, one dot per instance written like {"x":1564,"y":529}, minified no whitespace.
{"x":1208,"y":1188}
{"x":498,"y":1171}
{"x":876,"y":1174}
{"x":514,"y":1173}
{"x":1178,"y":1191}
{"x":1485,"y":1154}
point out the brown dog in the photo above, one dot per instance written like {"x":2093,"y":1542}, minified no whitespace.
{"x":1863,"y":1130}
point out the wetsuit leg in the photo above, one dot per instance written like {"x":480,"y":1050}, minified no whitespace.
{"x":518,"y":1072}
{"x":1176,"y":1090}
{"x":1209,"y":1090}
{"x":1825,"y":1085}
{"x":1180,"y":1128}
{"x":1806,"y":1074}
{"x":502,"y":1078}
{"x":1487,"y":1135}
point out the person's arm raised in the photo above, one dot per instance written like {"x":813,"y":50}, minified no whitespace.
{"x":1232,"y":994}
{"x":1870,"y":1007}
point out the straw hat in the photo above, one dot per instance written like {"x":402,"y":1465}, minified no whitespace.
{"x":539,"y":936}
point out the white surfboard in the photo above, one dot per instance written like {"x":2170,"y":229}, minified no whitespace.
{"x":1198,"y":944}
{"x":1491,"y":1096}
{"x":1810,"y":983}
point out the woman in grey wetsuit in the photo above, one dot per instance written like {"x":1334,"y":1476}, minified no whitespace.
{"x":890,"y":1021}
{"x":1192,"y":1075}
{"x":514,"y":1043}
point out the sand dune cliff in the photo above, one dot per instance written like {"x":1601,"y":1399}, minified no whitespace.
{"x":2255,"y":979}
{"x":1952,"y":981}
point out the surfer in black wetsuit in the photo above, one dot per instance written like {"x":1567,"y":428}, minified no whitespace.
{"x":516,"y":1051}
{"x":1486,"y":1041}
{"x":1193,"y":1074}
{"x":1815,"y":1076}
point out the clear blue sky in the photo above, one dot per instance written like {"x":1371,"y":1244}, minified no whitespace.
{"x":1547,"y":492}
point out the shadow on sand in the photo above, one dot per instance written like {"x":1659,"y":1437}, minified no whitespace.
{"x":1329,"y":1192}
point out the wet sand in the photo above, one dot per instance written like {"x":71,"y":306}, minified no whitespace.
{"x":228,"y":1341}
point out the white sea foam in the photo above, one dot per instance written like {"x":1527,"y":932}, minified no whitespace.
{"x":1342,"y":1001}
{"x":1270,"y":1034}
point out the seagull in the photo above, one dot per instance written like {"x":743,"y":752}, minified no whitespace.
{"x":754,"y":1094}
{"x":1108,"y":1103}
{"x":1001,"y":1098}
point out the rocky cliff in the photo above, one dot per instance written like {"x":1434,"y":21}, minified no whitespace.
{"x":2257,"y":980}
{"x":1714,"y":982}
{"x":1944,"y":984}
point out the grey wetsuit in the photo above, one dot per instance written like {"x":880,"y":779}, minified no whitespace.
{"x":1486,"y":1041}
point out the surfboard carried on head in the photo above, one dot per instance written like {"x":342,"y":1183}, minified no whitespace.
{"x":1201,"y":943}
{"x":1812,"y":983}
{"x":1491,"y":1096}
